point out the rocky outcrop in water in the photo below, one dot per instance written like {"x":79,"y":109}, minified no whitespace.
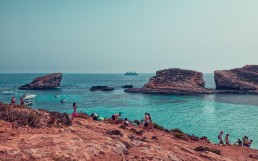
{"x":174,"y":81}
{"x":50,"y":81}
{"x":241,"y":79}
{"x":101,"y":88}
{"x":127,"y":86}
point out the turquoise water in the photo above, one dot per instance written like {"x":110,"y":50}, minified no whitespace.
{"x":203,"y":115}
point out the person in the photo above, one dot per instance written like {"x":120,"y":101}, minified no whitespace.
{"x":126,"y":122}
{"x":150,"y":122}
{"x":226,"y":140}
{"x":94,"y":116}
{"x":146,"y":121}
{"x":220,"y":138}
{"x":249,"y":143}
{"x":22,"y":101}
{"x":74,"y":110}
{"x":238,"y":143}
{"x":12,"y":101}
{"x":245,"y":141}
{"x":116,"y":116}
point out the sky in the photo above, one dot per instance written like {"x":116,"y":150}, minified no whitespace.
{"x":116,"y":36}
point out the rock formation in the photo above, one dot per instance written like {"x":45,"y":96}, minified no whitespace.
{"x":174,"y":81}
{"x":127,"y":86}
{"x":101,"y":88}
{"x":241,"y":79}
{"x":50,"y":81}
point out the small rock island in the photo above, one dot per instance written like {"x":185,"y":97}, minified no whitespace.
{"x":242,"y":79}
{"x":174,"y":81}
{"x":50,"y":81}
{"x":180,"y":81}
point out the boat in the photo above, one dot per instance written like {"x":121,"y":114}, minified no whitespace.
{"x":29,"y":102}
{"x":29,"y":96}
{"x":63,"y":101}
{"x":131,"y":74}
{"x":57,"y":96}
{"x":7,"y":92}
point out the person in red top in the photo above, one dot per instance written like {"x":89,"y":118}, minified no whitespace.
{"x":22,"y":101}
{"x":115,"y":116}
{"x":74,"y":110}
{"x":12,"y":101}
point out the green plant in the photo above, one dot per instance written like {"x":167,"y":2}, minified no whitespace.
{"x":157,"y":126}
{"x":181,"y":136}
{"x":202,"y":148}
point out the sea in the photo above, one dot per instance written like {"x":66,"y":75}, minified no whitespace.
{"x":201,"y":115}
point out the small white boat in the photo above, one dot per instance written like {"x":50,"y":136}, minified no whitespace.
{"x":29,"y":96}
{"x":57,"y":96}
{"x":63,"y":101}
{"x":7,"y":92}
{"x":29,"y":102}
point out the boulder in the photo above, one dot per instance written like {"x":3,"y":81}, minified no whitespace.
{"x":174,"y":81}
{"x":101,"y":88}
{"x":50,"y":81}
{"x":127,"y":86}
{"x":240,"y":79}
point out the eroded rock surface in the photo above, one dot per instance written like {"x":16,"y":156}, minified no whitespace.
{"x":242,"y":79}
{"x":50,"y":81}
{"x":174,"y":81}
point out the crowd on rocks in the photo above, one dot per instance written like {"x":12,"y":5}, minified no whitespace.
{"x":244,"y":142}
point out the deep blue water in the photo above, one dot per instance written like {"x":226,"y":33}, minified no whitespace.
{"x":203,"y":115}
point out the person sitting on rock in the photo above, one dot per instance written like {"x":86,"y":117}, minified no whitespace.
{"x":249,"y":143}
{"x":227,"y":140}
{"x":126,"y":122}
{"x":245,"y":141}
{"x":238,"y":143}
{"x":22,"y":101}
{"x":220,"y":138}
{"x":116,"y":116}
{"x":94,"y":116}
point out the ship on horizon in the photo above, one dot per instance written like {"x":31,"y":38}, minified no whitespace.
{"x":131,"y":74}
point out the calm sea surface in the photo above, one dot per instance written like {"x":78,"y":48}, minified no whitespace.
{"x":204,"y":115}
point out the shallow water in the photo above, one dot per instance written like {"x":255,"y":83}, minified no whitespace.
{"x":203,"y":115}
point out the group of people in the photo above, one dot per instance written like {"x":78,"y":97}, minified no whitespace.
{"x":147,"y":121}
{"x":245,"y":141}
{"x":13,"y":101}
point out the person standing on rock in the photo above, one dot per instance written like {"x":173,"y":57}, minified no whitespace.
{"x":74,"y":110}
{"x":220,"y":138}
{"x":12,"y":101}
{"x":146,"y":121}
{"x":22,"y":101}
{"x":150,"y":122}
{"x":226,"y":140}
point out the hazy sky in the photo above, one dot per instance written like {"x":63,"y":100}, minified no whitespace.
{"x":102,"y":36}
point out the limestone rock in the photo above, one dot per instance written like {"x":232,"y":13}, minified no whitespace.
{"x":242,"y":79}
{"x":50,"y":81}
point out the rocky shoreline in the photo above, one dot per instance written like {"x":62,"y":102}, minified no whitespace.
{"x":56,"y":138}
{"x":187,"y":82}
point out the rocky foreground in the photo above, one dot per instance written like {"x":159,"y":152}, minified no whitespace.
{"x":54,"y":137}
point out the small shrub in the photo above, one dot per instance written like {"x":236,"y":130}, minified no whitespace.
{"x":127,"y":145}
{"x":154,"y":137}
{"x":157,"y":126}
{"x":181,"y":136}
{"x":83,"y":115}
{"x":114,"y":132}
{"x":122,"y":126}
{"x":177,"y":130}
{"x":193,"y":137}
{"x":140,"y":132}
{"x":137,"y":122}
{"x":131,"y":137}
{"x":202,"y":148}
